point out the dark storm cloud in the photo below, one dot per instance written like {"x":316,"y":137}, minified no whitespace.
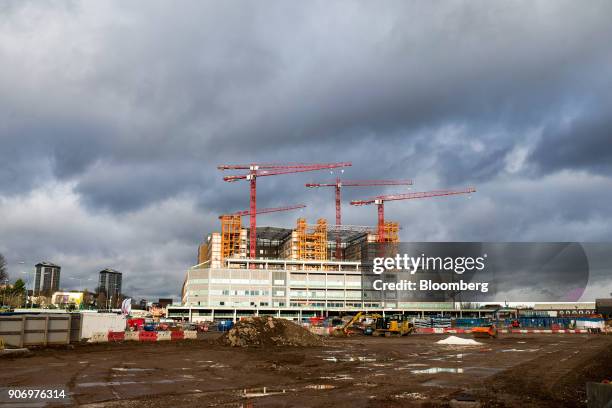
{"x":123,"y":110}
{"x":583,"y":144}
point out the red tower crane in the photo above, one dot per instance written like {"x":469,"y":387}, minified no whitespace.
{"x":338,"y":184}
{"x":380,"y":202}
{"x":270,"y":169}
{"x":269,"y":210}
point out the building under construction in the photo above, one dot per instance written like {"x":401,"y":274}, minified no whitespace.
{"x":290,"y":272}
{"x":307,"y":242}
{"x":296,"y":272}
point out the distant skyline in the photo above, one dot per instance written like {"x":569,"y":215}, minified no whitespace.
{"x":114,"y":116}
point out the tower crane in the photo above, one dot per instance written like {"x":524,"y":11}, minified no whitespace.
{"x":338,"y":184}
{"x":380,"y":202}
{"x":268,"y":210}
{"x":255,"y":171}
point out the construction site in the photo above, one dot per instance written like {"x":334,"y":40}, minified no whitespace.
{"x":514,"y":370}
{"x":278,"y":317}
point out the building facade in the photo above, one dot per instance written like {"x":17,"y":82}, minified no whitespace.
{"x":293,"y":289}
{"x":47,"y":278}
{"x":109,"y":283}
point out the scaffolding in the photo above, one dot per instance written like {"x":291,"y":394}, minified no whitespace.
{"x":391,"y":231}
{"x":311,"y":240}
{"x":231,"y":225}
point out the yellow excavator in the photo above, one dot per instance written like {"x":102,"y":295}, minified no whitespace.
{"x":345,"y":329}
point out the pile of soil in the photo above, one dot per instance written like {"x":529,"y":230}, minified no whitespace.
{"x":268,"y":332}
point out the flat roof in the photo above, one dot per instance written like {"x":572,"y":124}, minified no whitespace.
{"x":346,"y":233}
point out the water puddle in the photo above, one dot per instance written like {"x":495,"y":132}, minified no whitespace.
{"x":410,"y":395}
{"x":437,"y":370}
{"x":366,"y":384}
{"x":483,"y":371}
{"x":339,"y":377}
{"x":261,"y":392}
{"x":349,"y":358}
{"x":119,"y":383}
{"x":320,"y":386}
{"x":519,"y":350}
{"x":437,"y":383}
{"x":131,"y":369}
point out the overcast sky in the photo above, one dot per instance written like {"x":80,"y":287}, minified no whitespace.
{"x":115,"y":114}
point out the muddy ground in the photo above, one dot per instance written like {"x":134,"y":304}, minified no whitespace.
{"x":512,"y":371}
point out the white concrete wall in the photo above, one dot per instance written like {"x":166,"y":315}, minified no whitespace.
{"x":100,"y":322}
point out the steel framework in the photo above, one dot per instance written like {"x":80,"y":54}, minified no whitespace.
{"x":338,"y":184}
{"x":231,"y":227}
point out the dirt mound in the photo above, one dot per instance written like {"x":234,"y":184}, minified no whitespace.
{"x":268,"y":332}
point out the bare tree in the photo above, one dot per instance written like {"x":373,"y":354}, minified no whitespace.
{"x":3,"y":270}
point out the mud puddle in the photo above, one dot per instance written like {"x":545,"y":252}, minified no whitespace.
{"x":262,"y":392}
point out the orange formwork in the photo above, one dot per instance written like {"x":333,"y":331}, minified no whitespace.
{"x":312,"y":240}
{"x":391,"y":231}
{"x":230,"y":235}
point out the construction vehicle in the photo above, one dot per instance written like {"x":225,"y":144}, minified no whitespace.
{"x":396,"y":324}
{"x":345,"y":330}
{"x":489,"y":331}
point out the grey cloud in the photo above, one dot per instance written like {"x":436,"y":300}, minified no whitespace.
{"x":583,"y":144}
{"x":130,"y":106}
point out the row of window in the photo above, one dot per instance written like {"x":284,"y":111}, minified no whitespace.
{"x":278,"y":282}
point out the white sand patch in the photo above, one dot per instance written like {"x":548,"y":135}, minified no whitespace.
{"x":458,"y":341}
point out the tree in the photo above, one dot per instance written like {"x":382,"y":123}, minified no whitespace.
{"x":15,"y":295}
{"x":3,"y":270}
{"x":19,"y":287}
{"x":101,"y":300}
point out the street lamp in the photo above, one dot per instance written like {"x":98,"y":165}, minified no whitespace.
{"x":27,"y":273}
